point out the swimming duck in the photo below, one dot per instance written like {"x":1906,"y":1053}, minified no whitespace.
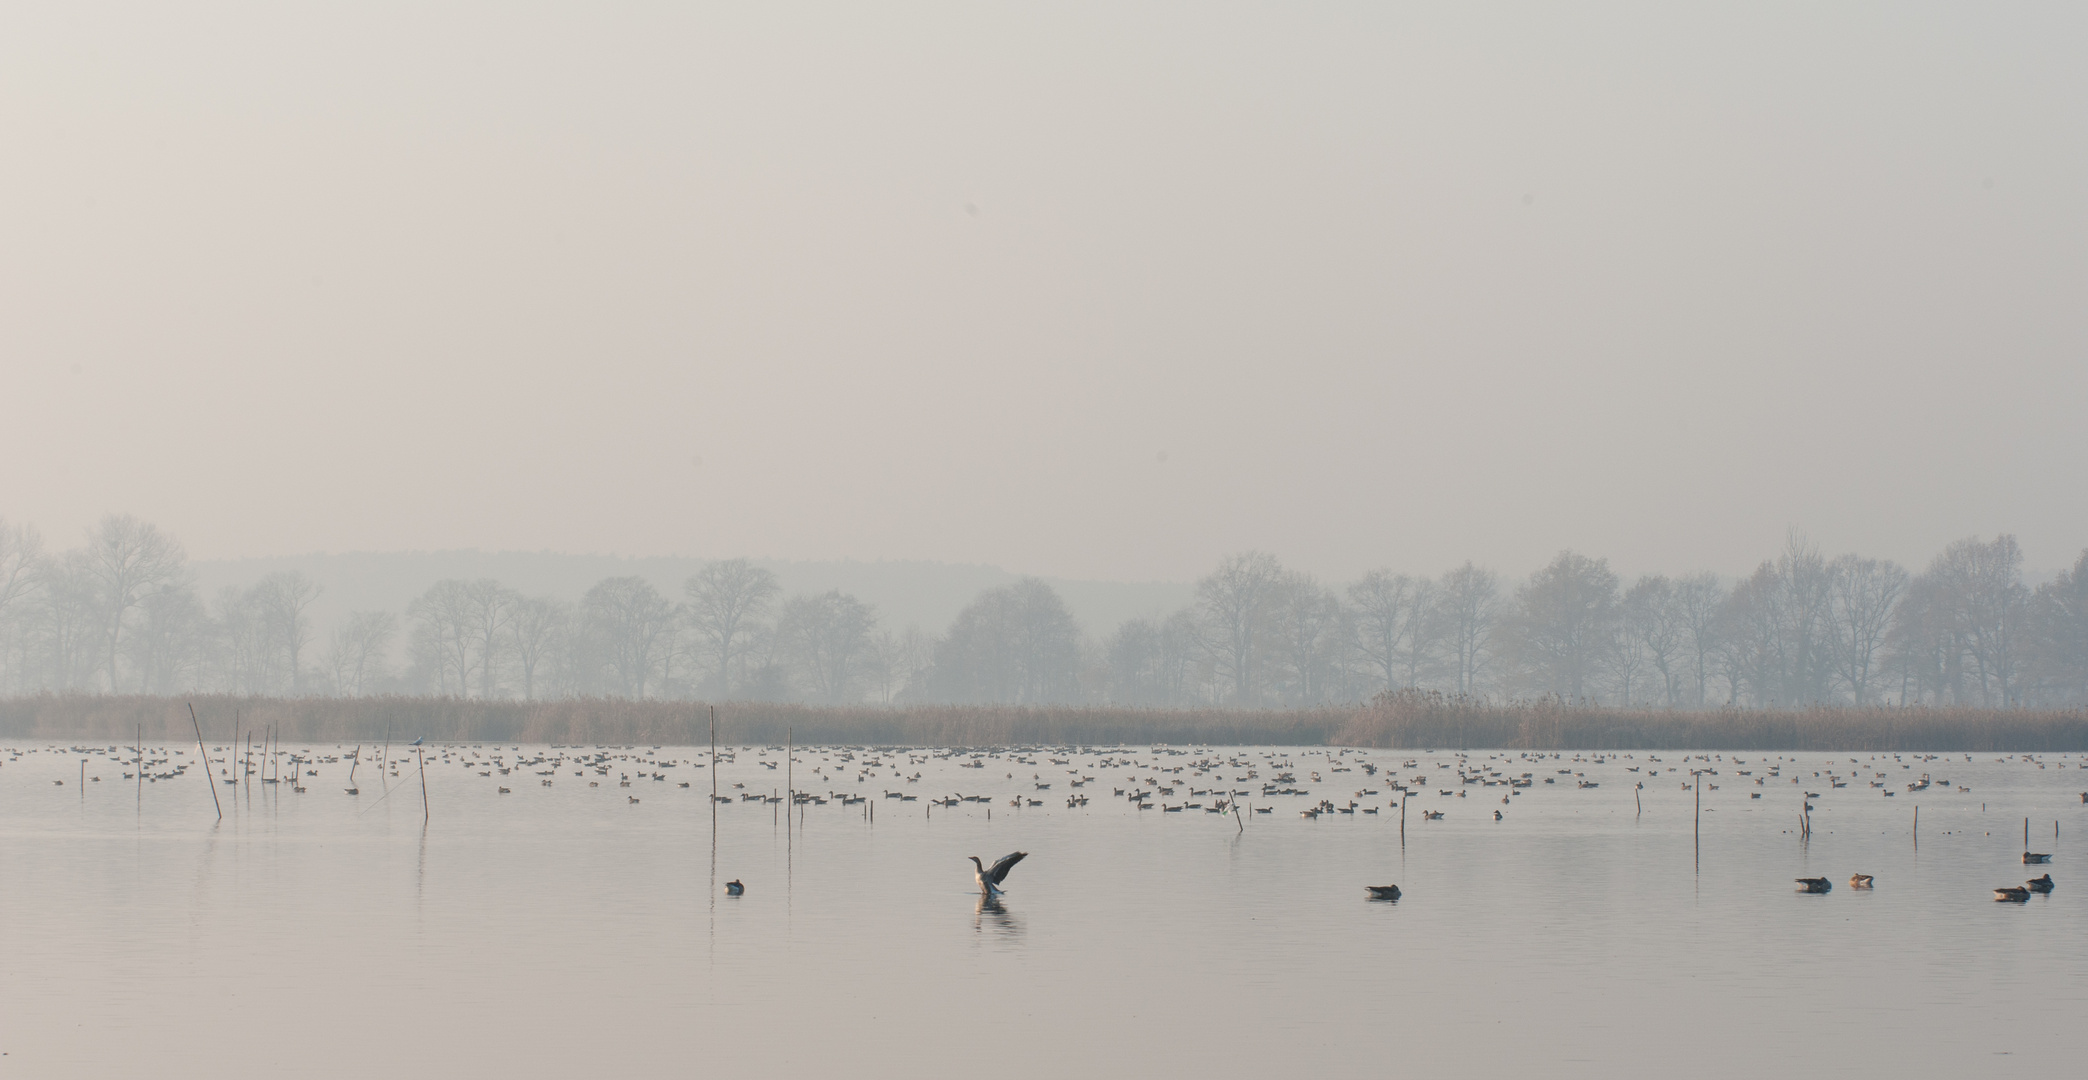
{"x":1382,"y":892}
{"x":1859,"y":881}
{"x":2014,"y":895}
{"x":1814,"y":884}
{"x":2040,"y":884}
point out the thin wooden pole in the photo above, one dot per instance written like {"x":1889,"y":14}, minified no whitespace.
{"x":207,"y":778}
{"x":141,"y":766}
{"x":420,"y":756}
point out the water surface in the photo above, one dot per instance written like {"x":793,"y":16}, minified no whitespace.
{"x":566,"y":930}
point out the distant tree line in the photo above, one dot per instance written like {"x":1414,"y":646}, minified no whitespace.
{"x":119,"y":614}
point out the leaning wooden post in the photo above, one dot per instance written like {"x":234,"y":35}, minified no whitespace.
{"x":207,"y":778}
{"x":421,"y":757}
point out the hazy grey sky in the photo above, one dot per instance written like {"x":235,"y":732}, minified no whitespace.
{"x":1094,"y":290}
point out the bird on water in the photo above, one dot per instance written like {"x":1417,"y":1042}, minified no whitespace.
{"x":734,"y":888}
{"x":2040,"y":884}
{"x":2013,"y":895}
{"x":1814,"y":884}
{"x":990,"y":877}
{"x":1382,"y":892}
{"x":1859,"y":881}
{"x":2034,"y":857}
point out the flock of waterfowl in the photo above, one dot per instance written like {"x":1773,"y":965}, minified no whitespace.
{"x":1240,"y":783}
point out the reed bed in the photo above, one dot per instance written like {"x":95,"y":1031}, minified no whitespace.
{"x":603,"y":720}
{"x":1423,"y":720}
{"x":1409,"y":720}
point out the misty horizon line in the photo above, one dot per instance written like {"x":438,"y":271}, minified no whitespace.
{"x":2033,"y":575}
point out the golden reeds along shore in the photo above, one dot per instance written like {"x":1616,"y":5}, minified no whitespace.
{"x":1411,"y":719}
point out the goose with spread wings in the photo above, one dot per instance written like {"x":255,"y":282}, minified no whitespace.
{"x":990,"y":877}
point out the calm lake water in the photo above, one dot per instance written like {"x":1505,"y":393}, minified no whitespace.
{"x":567,"y":930}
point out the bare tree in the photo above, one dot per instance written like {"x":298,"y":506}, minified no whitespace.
{"x":2059,"y":636}
{"x":1233,"y":603}
{"x":1698,"y":599}
{"x":1924,"y":649}
{"x":281,"y":600}
{"x":128,"y":558}
{"x":1864,"y":594}
{"x":1132,"y":655}
{"x":21,"y":559}
{"x":443,"y":634}
{"x":1308,"y":635}
{"x":489,"y":608}
{"x":1015,"y":643}
{"x":359,"y":648}
{"x":726,"y":602}
{"x":21,"y":551}
{"x":1388,"y":611}
{"x":632,"y":620}
{"x":533,"y":630}
{"x":70,"y":627}
{"x":1564,"y":623}
{"x":1982,"y":586}
{"x":825,"y":638}
{"x":164,"y":648}
{"x":1468,"y":608}
{"x":1656,"y":632}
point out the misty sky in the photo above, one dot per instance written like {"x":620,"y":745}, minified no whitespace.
{"x":1091,"y":290}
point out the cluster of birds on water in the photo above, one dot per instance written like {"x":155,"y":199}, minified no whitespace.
{"x":1237,"y":779}
{"x":2006,"y":894}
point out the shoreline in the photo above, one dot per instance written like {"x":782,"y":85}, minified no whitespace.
{"x":1405,"y":721}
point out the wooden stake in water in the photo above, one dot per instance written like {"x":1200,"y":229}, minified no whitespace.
{"x":207,"y":778}
{"x":424,"y":782}
{"x":141,"y":766}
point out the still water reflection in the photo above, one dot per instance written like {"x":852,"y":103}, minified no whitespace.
{"x":581,"y":925}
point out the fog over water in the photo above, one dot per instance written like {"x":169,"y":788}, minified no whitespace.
{"x":1092,"y":291}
